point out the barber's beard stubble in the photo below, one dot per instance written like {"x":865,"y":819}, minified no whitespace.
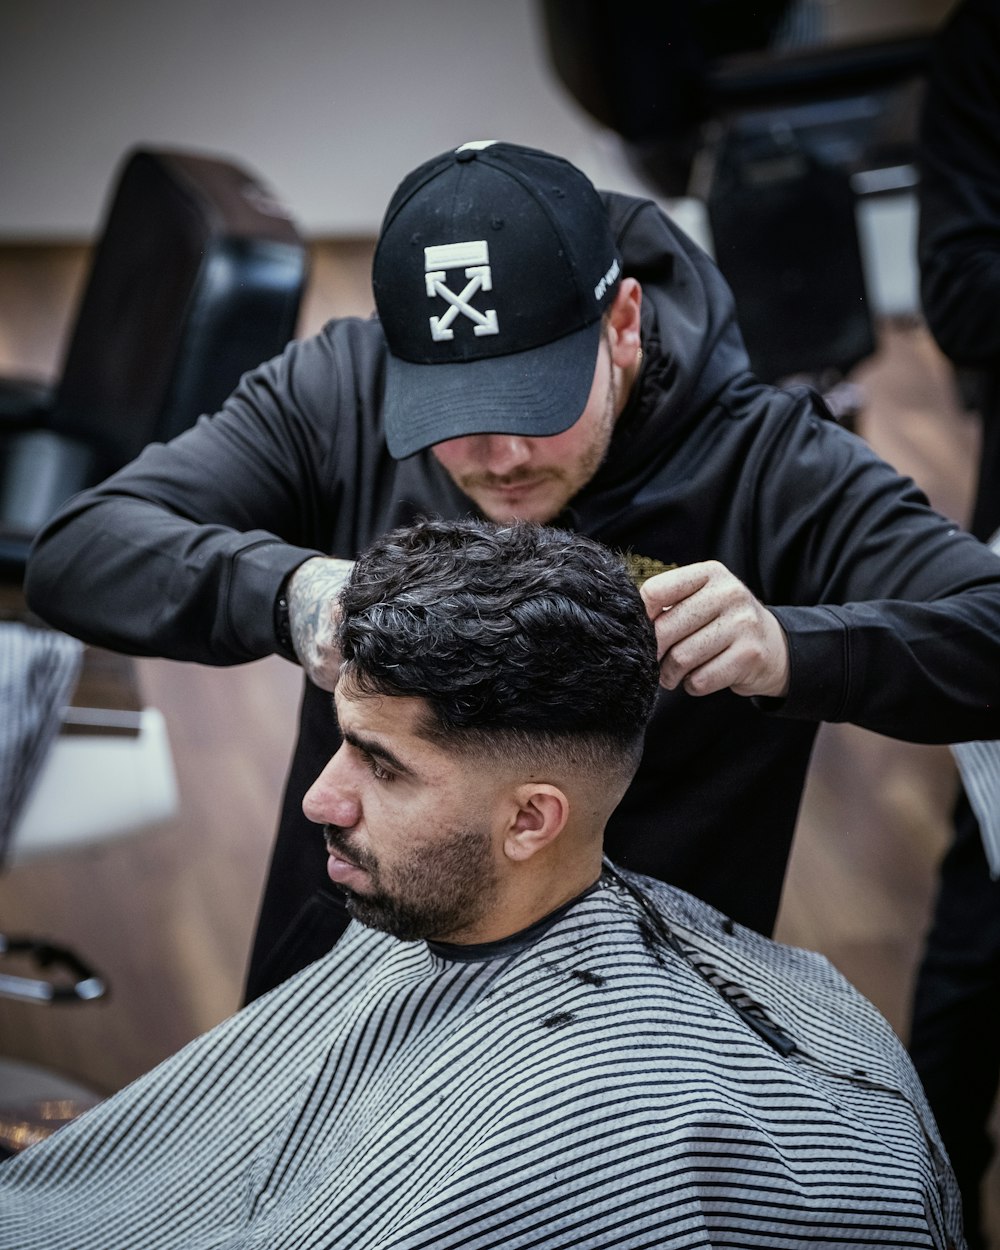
{"x":439,"y":890}
{"x":553,"y":485}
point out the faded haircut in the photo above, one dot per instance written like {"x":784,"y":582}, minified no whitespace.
{"x":524,"y":641}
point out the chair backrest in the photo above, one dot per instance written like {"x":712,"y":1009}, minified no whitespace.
{"x":197,"y":277}
{"x":785,"y":237}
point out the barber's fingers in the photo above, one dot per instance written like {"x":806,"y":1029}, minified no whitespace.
{"x":713,"y":634}
{"x":724,"y":656}
{"x":686,"y":600}
{"x":665,"y":590}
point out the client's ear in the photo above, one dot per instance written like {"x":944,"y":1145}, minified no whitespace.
{"x":542,"y":812}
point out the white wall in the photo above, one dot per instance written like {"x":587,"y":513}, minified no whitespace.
{"x":331,"y":101}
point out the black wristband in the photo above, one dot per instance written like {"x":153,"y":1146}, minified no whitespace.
{"x":283,"y":625}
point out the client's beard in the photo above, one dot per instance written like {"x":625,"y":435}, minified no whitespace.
{"x":442,"y":888}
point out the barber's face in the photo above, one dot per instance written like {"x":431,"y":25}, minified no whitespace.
{"x":510,"y":477}
{"x":412,"y":832}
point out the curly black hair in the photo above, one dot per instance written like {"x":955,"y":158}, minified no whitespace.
{"x":520,"y":638}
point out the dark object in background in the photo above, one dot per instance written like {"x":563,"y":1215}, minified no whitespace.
{"x":785,"y":236}
{"x":649,"y":78}
{"x":731,"y":103}
{"x":197,"y":277}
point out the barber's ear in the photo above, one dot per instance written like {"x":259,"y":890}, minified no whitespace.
{"x":542,"y":812}
{"x":624,"y":323}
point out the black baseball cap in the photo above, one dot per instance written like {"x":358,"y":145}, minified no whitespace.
{"x":493,"y":267}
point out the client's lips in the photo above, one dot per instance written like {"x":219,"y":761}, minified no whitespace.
{"x":339,"y":867}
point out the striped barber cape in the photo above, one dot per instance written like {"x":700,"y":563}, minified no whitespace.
{"x":633,"y":1072}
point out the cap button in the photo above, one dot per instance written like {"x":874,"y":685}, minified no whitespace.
{"x":466,"y":154}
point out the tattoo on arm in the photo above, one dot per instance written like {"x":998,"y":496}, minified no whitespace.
{"x":312,"y":590}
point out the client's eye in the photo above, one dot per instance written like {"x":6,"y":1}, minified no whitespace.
{"x":378,"y":771}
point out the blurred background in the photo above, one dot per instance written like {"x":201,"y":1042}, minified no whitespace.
{"x":330,"y":103}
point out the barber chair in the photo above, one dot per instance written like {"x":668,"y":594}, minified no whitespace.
{"x":781,"y":135}
{"x":196,"y":278}
{"x":88,"y":763}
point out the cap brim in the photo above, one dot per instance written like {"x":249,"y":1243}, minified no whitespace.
{"x":533,"y":393}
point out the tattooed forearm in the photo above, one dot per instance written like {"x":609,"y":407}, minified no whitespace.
{"x":312,"y":593}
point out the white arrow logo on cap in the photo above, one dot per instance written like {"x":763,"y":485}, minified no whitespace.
{"x":474,"y":258}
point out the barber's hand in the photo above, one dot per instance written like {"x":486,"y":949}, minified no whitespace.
{"x":712,"y":634}
{"x":312,"y":616}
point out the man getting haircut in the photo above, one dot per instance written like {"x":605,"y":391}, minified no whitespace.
{"x":503,"y":682}
{"x":515,"y":1043}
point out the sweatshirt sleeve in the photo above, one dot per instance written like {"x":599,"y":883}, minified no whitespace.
{"x":891,"y":611}
{"x":182,"y":553}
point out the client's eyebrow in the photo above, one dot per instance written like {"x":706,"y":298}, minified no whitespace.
{"x":373,"y":749}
